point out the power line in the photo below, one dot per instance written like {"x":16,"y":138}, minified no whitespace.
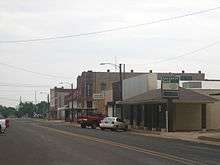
{"x":17,"y":100}
{"x":23,"y":85}
{"x":23,"y":91}
{"x":111,"y":30}
{"x":33,"y":72}
{"x":188,"y":53}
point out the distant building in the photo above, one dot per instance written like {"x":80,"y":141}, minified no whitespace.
{"x":92,"y":86}
{"x":57,"y":100}
{"x":144,"y":106}
{"x":142,"y":83}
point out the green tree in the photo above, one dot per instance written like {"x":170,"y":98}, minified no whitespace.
{"x":7,"y":111}
{"x":26,"y":109}
{"x":42,"y":108}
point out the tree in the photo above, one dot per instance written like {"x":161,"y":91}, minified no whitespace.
{"x":26,"y":109}
{"x":42,"y":108}
{"x":7,"y":111}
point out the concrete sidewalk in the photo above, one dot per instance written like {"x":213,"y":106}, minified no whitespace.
{"x":207,"y":137}
{"x":215,"y":137}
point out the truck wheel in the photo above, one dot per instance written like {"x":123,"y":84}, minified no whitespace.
{"x":126,"y":128}
{"x":102,"y":129}
{"x":114,"y":129}
{"x":93,"y":126}
{"x":83,"y":125}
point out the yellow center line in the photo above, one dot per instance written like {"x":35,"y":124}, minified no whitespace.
{"x":125,"y":146}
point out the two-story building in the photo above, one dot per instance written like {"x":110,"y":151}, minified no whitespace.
{"x":92,"y":87}
{"x":57,"y":100}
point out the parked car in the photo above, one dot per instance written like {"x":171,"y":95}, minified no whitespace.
{"x":113,"y":123}
{"x":4,"y":124}
{"x":90,"y":120}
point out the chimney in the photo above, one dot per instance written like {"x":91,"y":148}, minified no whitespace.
{"x":108,"y":70}
{"x":183,"y":71}
{"x":132,"y":71}
{"x":150,"y":71}
{"x":200,"y":72}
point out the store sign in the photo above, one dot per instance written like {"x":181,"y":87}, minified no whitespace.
{"x":98,"y":96}
{"x":170,"y":86}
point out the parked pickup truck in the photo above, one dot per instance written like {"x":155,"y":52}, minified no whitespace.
{"x":90,"y":120}
{"x":4,"y":124}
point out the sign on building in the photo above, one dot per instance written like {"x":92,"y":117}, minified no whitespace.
{"x":170,"y":86}
{"x":98,"y":96}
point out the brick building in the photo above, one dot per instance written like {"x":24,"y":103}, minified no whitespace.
{"x":92,"y":84}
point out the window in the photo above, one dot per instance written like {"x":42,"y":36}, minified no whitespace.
{"x":89,"y":104}
{"x":103,"y":86}
{"x":88,"y":89}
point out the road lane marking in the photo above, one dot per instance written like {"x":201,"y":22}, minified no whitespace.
{"x":125,"y":146}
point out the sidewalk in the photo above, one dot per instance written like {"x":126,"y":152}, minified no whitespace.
{"x":207,"y":137}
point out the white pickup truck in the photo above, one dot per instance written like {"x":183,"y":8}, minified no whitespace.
{"x":4,"y":124}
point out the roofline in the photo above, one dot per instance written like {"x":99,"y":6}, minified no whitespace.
{"x":163,"y":101}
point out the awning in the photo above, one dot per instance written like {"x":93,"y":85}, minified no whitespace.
{"x":155,"y":96}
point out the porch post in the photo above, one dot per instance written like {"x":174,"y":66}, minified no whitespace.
{"x":145,"y":117}
{"x":203,"y":116}
{"x":131,"y":114}
{"x":171,"y":115}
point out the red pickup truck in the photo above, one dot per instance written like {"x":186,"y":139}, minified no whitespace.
{"x":90,"y":120}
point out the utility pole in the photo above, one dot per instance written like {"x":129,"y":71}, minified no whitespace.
{"x":48,"y":104}
{"x":121,"y":88}
{"x":35,"y":97}
{"x":72,"y":102}
{"x":120,"y":85}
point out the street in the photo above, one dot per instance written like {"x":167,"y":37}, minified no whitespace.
{"x":30,"y":142}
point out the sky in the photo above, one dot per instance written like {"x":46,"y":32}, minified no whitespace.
{"x":142,"y":48}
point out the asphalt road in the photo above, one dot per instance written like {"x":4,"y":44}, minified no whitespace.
{"x":30,"y":142}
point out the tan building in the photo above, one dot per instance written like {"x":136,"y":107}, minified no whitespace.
{"x":57,"y":101}
{"x":196,"y":109}
{"x":213,"y":110}
{"x":150,"y":111}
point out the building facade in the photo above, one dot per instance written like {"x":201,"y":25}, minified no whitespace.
{"x":92,"y":86}
{"x":57,"y":101}
{"x":144,"y":107}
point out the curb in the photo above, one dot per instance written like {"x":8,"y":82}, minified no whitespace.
{"x":212,"y":139}
{"x":144,"y":132}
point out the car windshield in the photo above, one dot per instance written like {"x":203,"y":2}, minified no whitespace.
{"x":108,"y":119}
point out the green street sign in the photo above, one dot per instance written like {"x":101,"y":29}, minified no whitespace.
{"x":170,"y":86}
{"x":170,"y":79}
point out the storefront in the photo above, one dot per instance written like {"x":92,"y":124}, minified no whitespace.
{"x":150,"y":111}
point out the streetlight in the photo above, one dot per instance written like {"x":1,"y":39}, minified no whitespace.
{"x":120,"y":80}
{"x":71,"y":84}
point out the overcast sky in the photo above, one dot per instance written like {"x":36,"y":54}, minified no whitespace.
{"x":139,"y":48}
